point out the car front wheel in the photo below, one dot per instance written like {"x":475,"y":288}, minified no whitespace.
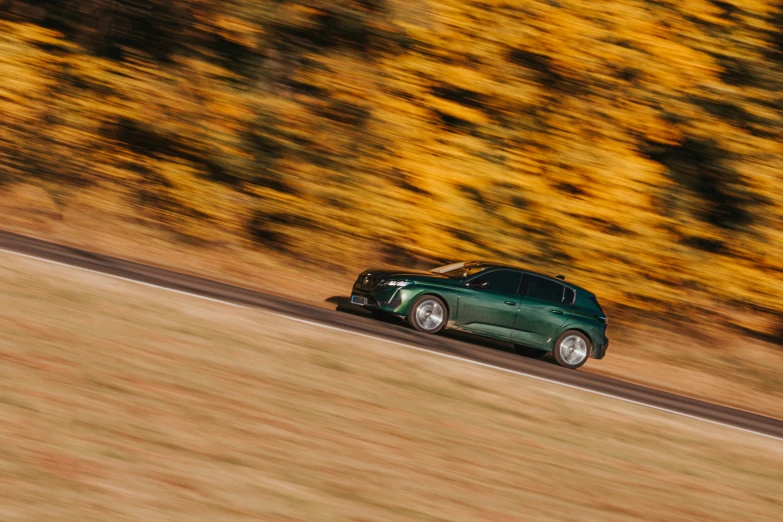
{"x":428,"y":314}
{"x":572,"y":349}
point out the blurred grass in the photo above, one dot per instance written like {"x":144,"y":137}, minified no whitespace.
{"x":632,"y":145}
{"x":135,"y":403}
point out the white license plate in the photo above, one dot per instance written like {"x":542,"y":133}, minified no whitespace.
{"x":359,"y":300}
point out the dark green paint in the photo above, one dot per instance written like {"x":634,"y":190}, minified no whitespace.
{"x":508,"y":316}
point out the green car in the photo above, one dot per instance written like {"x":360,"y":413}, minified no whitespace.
{"x":537,"y":313}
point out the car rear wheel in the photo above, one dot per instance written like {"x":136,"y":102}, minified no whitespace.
{"x":428,"y":314}
{"x":572,"y":349}
{"x":526,"y":351}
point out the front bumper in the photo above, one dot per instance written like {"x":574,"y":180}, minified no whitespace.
{"x":387,"y":299}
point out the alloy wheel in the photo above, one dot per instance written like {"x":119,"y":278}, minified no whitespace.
{"x":573,"y":349}
{"x":430,"y":315}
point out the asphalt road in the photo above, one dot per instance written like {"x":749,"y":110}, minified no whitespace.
{"x":455,"y":345}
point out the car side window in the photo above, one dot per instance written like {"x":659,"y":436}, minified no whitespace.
{"x":505,"y":281}
{"x":547,"y":290}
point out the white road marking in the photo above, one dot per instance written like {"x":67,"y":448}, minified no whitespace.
{"x":404,"y":345}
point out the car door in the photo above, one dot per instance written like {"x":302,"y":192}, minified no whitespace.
{"x":489,"y":302}
{"x":544,"y":308}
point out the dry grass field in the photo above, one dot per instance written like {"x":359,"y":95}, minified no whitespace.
{"x":123,"y":402}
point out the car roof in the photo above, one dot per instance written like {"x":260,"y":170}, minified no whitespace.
{"x":526,"y":270}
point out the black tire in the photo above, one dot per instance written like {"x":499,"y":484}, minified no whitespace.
{"x":526,"y":351}
{"x":569,"y":352}
{"x":424,"y":308}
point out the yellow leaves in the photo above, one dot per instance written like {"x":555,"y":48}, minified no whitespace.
{"x":25,"y":67}
{"x":33,"y":34}
{"x":454,"y":109}
{"x":660,"y":131}
{"x":238,"y":31}
{"x":554,"y":139}
{"x":298,"y":14}
{"x":196,"y":193}
{"x":206,"y":69}
{"x":229,"y":111}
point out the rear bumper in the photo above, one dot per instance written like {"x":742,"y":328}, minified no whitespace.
{"x":599,"y":350}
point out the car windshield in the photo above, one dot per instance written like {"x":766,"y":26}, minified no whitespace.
{"x":460,"y":270}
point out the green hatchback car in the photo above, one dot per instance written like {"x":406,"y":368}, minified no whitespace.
{"x":537,"y":313}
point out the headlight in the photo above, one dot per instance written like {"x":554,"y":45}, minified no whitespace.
{"x":398,"y":284}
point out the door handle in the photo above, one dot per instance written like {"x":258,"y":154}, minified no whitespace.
{"x":558,"y":312}
{"x":511,"y":303}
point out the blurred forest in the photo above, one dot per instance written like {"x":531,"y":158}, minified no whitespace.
{"x":631,"y":144}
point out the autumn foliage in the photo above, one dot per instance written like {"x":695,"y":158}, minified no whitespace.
{"x":634,"y":145}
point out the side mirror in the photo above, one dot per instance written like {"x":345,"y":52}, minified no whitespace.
{"x":477,"y":285}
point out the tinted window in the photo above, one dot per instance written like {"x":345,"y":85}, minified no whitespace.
{"x":547,"y":290}
{"x":505,"y":281}
{"x":569,"y":296}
